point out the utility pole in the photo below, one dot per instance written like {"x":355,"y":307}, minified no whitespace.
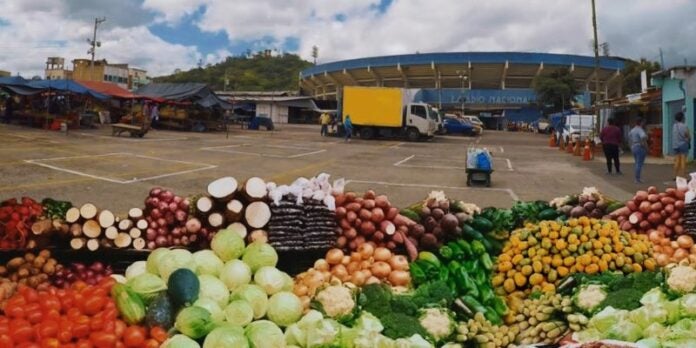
{"x":596,"y":55}
{"x":315,"y":53}
{"x":94,"y":43}
{"x":662,"y":60}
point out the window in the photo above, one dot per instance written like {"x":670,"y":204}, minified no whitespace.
{"x":419,"y":110}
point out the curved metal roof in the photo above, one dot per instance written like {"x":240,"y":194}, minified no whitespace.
{"x":608,"y":63}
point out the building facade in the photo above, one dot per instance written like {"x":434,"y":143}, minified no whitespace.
{"x":678,"y":86}
{"x":101,"y":71}
{"x":55,"y":69}
{"x":137,"y":78}
{"x":4,"y":73}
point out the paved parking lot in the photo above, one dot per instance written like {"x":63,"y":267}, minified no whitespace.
{"x":118,"y":172}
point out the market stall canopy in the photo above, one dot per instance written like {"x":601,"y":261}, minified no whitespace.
{"x":198,"y":93}
{"x":109,"y":89}
{"x":13,"y":80}
{"x":17,"y":85}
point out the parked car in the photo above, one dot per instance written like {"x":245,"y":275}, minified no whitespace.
{"x":578,"y":126}
{"x":453,"y":125}
{"x":542,"y":125}
{"x":474,"y":120}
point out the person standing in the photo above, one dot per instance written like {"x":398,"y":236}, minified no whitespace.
{"x":681,"y":143}
{"x":348,"y":128}
{"x":9,"y":109}
{"x":611,"y":140}
{"x":324,"y":119}
{"x":154,"y":114}
{"x":638,"y":140}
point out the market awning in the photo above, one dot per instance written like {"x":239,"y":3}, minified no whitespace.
{"x":66,"y":86}
{"x":198,"y":93}
{"x":109,"y":89}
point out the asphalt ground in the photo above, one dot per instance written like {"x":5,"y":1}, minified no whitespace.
{"x":116,"y":173}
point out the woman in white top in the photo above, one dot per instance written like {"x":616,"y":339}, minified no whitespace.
{"x":681,"y":143}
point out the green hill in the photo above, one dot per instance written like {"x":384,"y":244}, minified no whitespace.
{"x":256,"y":73}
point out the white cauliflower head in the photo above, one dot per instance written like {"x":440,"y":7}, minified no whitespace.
{"x":437,"y":322}
{"x":589,"y":297}
{"x":682,"y":279}
{"x":336,"y":300}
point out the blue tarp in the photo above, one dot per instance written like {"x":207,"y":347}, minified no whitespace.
{"x":527,"y":115}
{"x":557,"y":120}
{"x":13,"y":80}
{"x":66,"y":86}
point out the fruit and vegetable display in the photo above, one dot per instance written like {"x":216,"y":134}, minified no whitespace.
{"x":251,"y":263}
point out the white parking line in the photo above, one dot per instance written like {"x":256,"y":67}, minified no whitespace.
{"x":396,"y":146}
{"x":132,"y":139}
{"x":117,"y":181}
{"x":509,"y":191}
{"x":403,"y":160}
{"x":302,"y":154}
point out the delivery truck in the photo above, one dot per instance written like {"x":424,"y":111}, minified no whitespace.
{"x":387,"y":112}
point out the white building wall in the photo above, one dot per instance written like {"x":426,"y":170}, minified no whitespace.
{"x":277,"y":113}
{"x":117,"y":72}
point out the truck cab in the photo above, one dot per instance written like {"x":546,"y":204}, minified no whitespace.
{"x":420,"y":119}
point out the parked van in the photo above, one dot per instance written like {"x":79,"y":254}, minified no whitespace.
{"x":578,"y":126}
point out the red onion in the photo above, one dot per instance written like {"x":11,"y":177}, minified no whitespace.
{"x":192,"y":238}
{"x":155,"y":191}
{"x":161,"y":222}
{"x":151,"y":234}
{"x":169,"y":218}
{"x":185,"y":240}
{"x":177,"y":199}
{"x":156,"y":213}
{"x":167,"y":196}
{"x":161,"y":241}
{"x":181,"y":215}
{"x":163,"y":206}
{"x":151,"y":245}
{"x":173,"y":206}
{"x":153,"y":224}
{"x":184,"y":205}
{"x":162,"y":231}
{"x":155,"y":202}
{"x":176,"y":232}
{"x":176,"y":241}
{"x":97,"y":267}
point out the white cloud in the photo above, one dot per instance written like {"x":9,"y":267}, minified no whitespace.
{"x":36,"y":29}
{"x":173,"y":10}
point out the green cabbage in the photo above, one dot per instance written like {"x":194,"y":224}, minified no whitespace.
{"x":152,"y":263}
{"x":239,"y":312}
{"x":264,"y":334}
{"x":654,"y":296}
{"x":296,"y":334}
{"x":687,"y":306}
{"x":211,"y":306}
{"x":625,"y":330}
{"x":147,"y":286}
{"x":135,"y":269}
{"x":654,"y":330}
{"x":649,"y":343}
{"x":235,"y":273}
{"x":226,"y":336}
{"x":259,"y":254}
{"x":256,"y":297}
{"x":646,"y":315}
{"x":270,"y":279}
{"x":194,"y":322}
{"x":180,"y":341}
{"x":227,"y":245}
{"x":607,"y":318}
{"x":415,"y":341}
{"x":284,"y":308}
{"x":214,"y":289}
{"x":173,"y":260}
{"x":207,"y":262}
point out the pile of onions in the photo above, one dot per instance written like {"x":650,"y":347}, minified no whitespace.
{"x":372,"y":218}
{"x":90,"y":274}
{"x":367,"y":265}
{"x":668,"y":251}
{"x":650,"y":210}
{"x":167,"y":218}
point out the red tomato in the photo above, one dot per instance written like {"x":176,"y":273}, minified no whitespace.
{"x":134,"y":336}
{"x":151,"y":343}
{"x":73,"y":313}
{"x":83,"y":344}
{"x":49,"y":303}
{"x":34,"y":317}
{"x":103,"y":339}
{"x":158,"y":334}
{"x":14,"y":310}
{"x":48,"y":329}
{"x":96,"y":324}
{"x":120,"y":328}
{"x":81,"y":327}
{"x":50,"y":343}
{"x":6,"y":341}
{"x":52,"y":315}
{"x":29,"y":294}
{"x":65,"y":333}
{"x":28,"y":345}
{"x":93,"y":305}
{"x":23,"y":333}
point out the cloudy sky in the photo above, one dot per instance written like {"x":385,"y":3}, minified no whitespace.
{"x":163,"y":35}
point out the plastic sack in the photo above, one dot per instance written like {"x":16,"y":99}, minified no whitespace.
{"x":330,"y":202}
{"x":681,"y":183}
{"x":483,"y":162}
{"x":339,"y":186}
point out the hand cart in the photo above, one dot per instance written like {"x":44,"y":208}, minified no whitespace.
{"x":478,"y":177}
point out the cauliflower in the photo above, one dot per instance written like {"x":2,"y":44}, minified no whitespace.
{"x":589,"y":297}
{"x":682,"y":279}
{"x":438,"y":322}
{"x":337,"y":301}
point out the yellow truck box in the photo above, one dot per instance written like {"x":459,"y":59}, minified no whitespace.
{"x":373,"y":106}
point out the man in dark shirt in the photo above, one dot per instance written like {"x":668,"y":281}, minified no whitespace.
{"x":611,"y":140}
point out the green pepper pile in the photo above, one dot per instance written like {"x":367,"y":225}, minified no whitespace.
{"x":466,"y":268}
{"x":54,"y":209}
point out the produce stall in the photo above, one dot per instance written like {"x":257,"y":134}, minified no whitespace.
{"x":258,"y":264}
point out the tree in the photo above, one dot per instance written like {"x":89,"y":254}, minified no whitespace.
{"x":631,"y":74}
{"x":556,"y":90}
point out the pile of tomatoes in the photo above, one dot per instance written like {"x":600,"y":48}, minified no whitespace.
{"x":81,"y":316}
{"x":16,"y":218}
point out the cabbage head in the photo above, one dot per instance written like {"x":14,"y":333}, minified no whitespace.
{"x":235,"y":273}
{"x":226,"y":336}
{"x":239,"y":313}
{"x":270,"y":279}
{"x":207,"y":262}
{"x":625,"y":330}
{"x":173,"y":260}
{"x":259,"y":254}
{"x":649,"y":343}
{"x":687,"y":306}
{"x":147,"y":286}
{"x":227,"y":245}
{"x":194,"y":322}
{"x":214,"y":289}
{"x":135,"y":269}
{"x":152,"y":263}
{"x":264,"y":334}
{"x":180,"y":341}
{"x":284,"y":308}
{"x":256,"y":297}
{"x":211,"y":306}
{"x":607,"y":318}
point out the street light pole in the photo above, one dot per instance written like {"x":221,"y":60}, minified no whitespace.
{"x":596,"y":72}
{"x":94,"y":44}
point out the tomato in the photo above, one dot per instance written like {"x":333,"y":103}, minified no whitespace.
{"x":65,"y":331}
{"x":151,"y":343}
{"x":49,"y":303}
{"x":96,"y":324}
{"x":35,"y":317}
{"x":28,"y":345}
{"x":52,"y":315}
{"x":6,"y":341}
{"x":120,"y":328}
{"x":158,"y":334}
{"x":23,"y":333}
{"x":93,"y":305}
{"x":103,"y":339}
{"x":73,"y":313}
{"x":48,"y":329}
{"x":84,"y":344}
{"x":81,"y":327}
{"x":134,"y":336}
{"x":29,"y":294}
{"x":14,"y":310}
{"x":50,"y":343}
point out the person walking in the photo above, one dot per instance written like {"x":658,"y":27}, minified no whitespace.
{"x":638,"y":140}
{"x":154,"y":115}
{"x":681,"y":143}
{"x":348,"y":128}
{"x":324,"y":119}
{"x":611,"y":140}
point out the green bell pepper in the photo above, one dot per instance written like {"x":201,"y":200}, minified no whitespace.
{"x":486,"y":262}
{"x":417,"y":273}
{"x":478,"y":247}
{"x":446,"y":252}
